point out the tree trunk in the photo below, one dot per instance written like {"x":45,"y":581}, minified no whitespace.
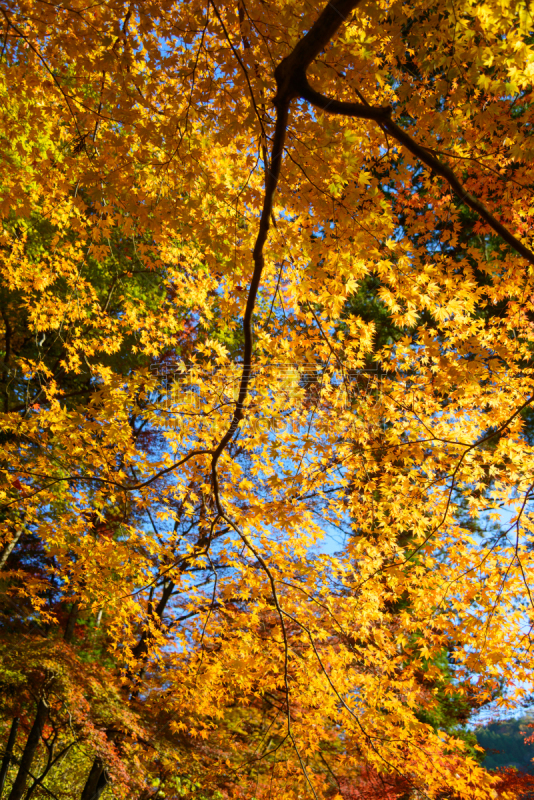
{"x":8,"y":549}
{"x":7,"y":755}
{"x":71,"y":622}
{"x":29,"y":751}
{"x":141,"y":648}
{"x":96,"y":782}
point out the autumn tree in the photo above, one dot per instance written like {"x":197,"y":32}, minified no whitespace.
{"x":217,"y":220}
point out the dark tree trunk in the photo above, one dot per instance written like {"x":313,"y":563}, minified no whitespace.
{"x":7,"y":755}
{"x":140,"y":651}
{"x":97,"y":781}
{"x":29,"y":751}
{"x":71,"y":622}
{"x":141,"y":648}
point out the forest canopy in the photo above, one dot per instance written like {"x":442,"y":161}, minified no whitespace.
{"x":266,"y":396}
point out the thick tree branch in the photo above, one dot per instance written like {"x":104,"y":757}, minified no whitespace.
{"x":290,"y":70}
{"x":360,"y":110}
{"x":292,"y":83}
{"x":424,"y":154}
{"x":442,"y":169}
{"x":301,"y":88}
{"x":273,"y":174}
{"x":290,"y":77}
